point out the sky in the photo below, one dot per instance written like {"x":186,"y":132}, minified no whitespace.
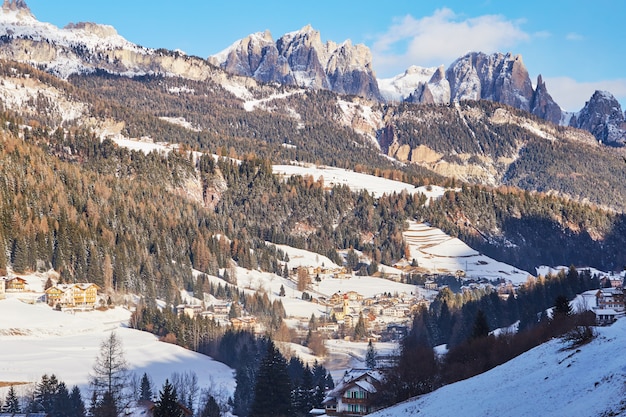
{"x":576,"y":49}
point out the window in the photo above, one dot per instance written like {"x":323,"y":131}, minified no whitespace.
{"x":359,"y":395}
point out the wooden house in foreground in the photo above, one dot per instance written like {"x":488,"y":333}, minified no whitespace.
{"x":355,"y":394}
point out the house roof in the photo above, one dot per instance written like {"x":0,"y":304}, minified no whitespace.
{"x":65,"y":287}
{"x":355,"y":377}
{"x":605,"y":311}
{"x":366,"y":386}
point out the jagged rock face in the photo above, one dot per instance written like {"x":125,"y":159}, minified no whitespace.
{"x":15,"y":5}
{"x":603,"y":117}
{"x":496,"y":77}
{"x":86,"y":47}
{"x":302,"y":59}
{"x":306,"y":56}
{"x":435,"y":91}
{"x":256,"y":56}
{"x":543,"y":105}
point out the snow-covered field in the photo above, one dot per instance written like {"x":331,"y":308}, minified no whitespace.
{"x":357,"y":181}
{"x":37,"y":340}
{"x":549,"y":380}
{"x":438,"y":252}
{"x":434,"y":250}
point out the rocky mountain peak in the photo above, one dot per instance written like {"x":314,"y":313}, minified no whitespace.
{"x":301,"y":58}
{"x":497,"y":77}
{"x":18,"y":8}
{"x":602,"y":116}
{"x":103,"y":31}
{"x":543,"y":105}
{"x":15,"y":5}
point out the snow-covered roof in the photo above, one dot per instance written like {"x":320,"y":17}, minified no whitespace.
{"x":366,"y":386}
{"x":605,"y":312}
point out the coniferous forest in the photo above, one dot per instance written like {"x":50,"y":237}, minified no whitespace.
{"x":154,"y":223}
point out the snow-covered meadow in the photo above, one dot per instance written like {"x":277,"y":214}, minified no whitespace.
{"x":37,"y":340}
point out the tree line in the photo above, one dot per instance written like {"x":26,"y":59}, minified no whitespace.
{"x":466,"y":329}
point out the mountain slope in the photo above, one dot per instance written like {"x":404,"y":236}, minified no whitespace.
{"x":549,"y":380}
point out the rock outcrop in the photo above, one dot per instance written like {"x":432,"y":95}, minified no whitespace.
{"x":496,"y":77}
{"x":543,"y":105}
{"x":300,"y":58}
{"x":602,"y":116}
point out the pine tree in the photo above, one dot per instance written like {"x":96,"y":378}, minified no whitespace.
{"x":561,"y":307}
{"x":167,"y":404}
{"x":211,"y":408}
{"x":370,"y":356}
{"x":61,"y":402}
{"x":145,"y":392}
{"x":106,"y":407}
{"x":360,"y":331}
{"x":281,"y":293}
{"x":481,"y":327}
{"x":44,"y":394}
{"x":272,"y":392}
{"x":11,"y":403}
{"x":77,"y":406}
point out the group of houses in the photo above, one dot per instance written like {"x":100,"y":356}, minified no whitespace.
{"x":76,"y":295}
{"x":221,"y":312}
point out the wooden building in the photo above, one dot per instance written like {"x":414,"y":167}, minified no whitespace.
{"x":73,"y":295}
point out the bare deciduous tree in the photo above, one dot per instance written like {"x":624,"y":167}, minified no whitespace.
{"x":110,"y":371}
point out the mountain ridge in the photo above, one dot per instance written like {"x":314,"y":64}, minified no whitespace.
{"x":296,"y":58}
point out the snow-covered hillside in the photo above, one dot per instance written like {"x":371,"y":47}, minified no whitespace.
{"x":434,"y":250}
{"x":438,"y":252}
{"x":37,"y":340}
{"x":550,"y":380}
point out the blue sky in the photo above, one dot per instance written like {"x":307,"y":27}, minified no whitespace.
{"x":577,"y":49}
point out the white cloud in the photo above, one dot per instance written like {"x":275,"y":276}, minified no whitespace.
{"x":441,"y":38}
{"x":573,"y":36}
{"x":571,"y":95}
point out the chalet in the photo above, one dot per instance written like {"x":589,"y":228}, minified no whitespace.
{"x":15,"y":284}
{"x":73,"y":295}
{"x":431,"y":285}
{"x":190,"y":310}
{"x":605,"y":316}
{"x":354,"y":394}
{"x":610,"y":298}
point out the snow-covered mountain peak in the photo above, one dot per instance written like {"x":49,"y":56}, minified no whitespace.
{"x":403,"y":85}
{"x":16,"y":11}
{"x":17,"y":22}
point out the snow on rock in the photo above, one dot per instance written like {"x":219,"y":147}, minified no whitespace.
{"x":403,"y":85}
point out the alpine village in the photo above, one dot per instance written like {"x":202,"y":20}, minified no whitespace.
{"x":273,"y":231}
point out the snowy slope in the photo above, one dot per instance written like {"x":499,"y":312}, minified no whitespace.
{"x":547,"y":381}
{"x":434,"y":250}
{"x":438,"y":252}
{"x":35,"y":339}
